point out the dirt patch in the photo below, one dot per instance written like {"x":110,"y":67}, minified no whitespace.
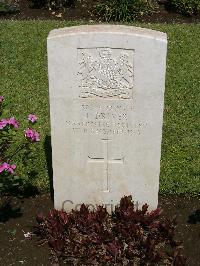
{"x":187,"y":211}
{"x":18,"y":217}
{"x":84,"y":10}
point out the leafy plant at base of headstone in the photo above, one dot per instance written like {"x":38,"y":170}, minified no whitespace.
{"x":127,"y":237}
{"x":124,"y":10}
{"x":187,"y":7}
{"x":12,"y":151}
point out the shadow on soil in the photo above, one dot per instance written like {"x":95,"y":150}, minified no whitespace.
{"x":194,"y":218}
{"x":7,"y":212}
{"x":48,"y":153}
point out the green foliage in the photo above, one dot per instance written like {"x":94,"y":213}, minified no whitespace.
{"x":25,"y":84}
{"x":6,"y":7}
{"x":124,"y":10}
{"x":15,"y":146}
{"x":10,"y":182}
{"x":3,"y":7}
{"x":187,"y":7}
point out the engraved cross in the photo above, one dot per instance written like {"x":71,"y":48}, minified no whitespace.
{"x":106,"y":161}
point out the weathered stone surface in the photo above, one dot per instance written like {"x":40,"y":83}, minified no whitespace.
{"x":106,"y":88}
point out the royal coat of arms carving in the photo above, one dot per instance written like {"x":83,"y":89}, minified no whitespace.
{"x":106,"y":73}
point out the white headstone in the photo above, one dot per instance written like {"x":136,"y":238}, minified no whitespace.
{"x":106,"y":87}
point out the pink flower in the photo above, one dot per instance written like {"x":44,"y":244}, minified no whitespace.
{"x":33,"y":118}
{"x":3,"y":123}
{"x":11,"y":121}
{"x":11,"y":168}
{"x":3,"y":167}
{"x":7,"y":167}
{"x":32,"y":135}
{"x":1,"y":99}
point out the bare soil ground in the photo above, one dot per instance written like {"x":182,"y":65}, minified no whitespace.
{"x":18,"y":217}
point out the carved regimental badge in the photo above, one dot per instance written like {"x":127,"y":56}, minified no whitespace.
{"x":105,"y":73}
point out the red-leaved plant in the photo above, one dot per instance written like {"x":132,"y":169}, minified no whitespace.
{"x":127,"y":237}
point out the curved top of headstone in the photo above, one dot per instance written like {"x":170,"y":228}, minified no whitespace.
{"x":114,"y":29}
